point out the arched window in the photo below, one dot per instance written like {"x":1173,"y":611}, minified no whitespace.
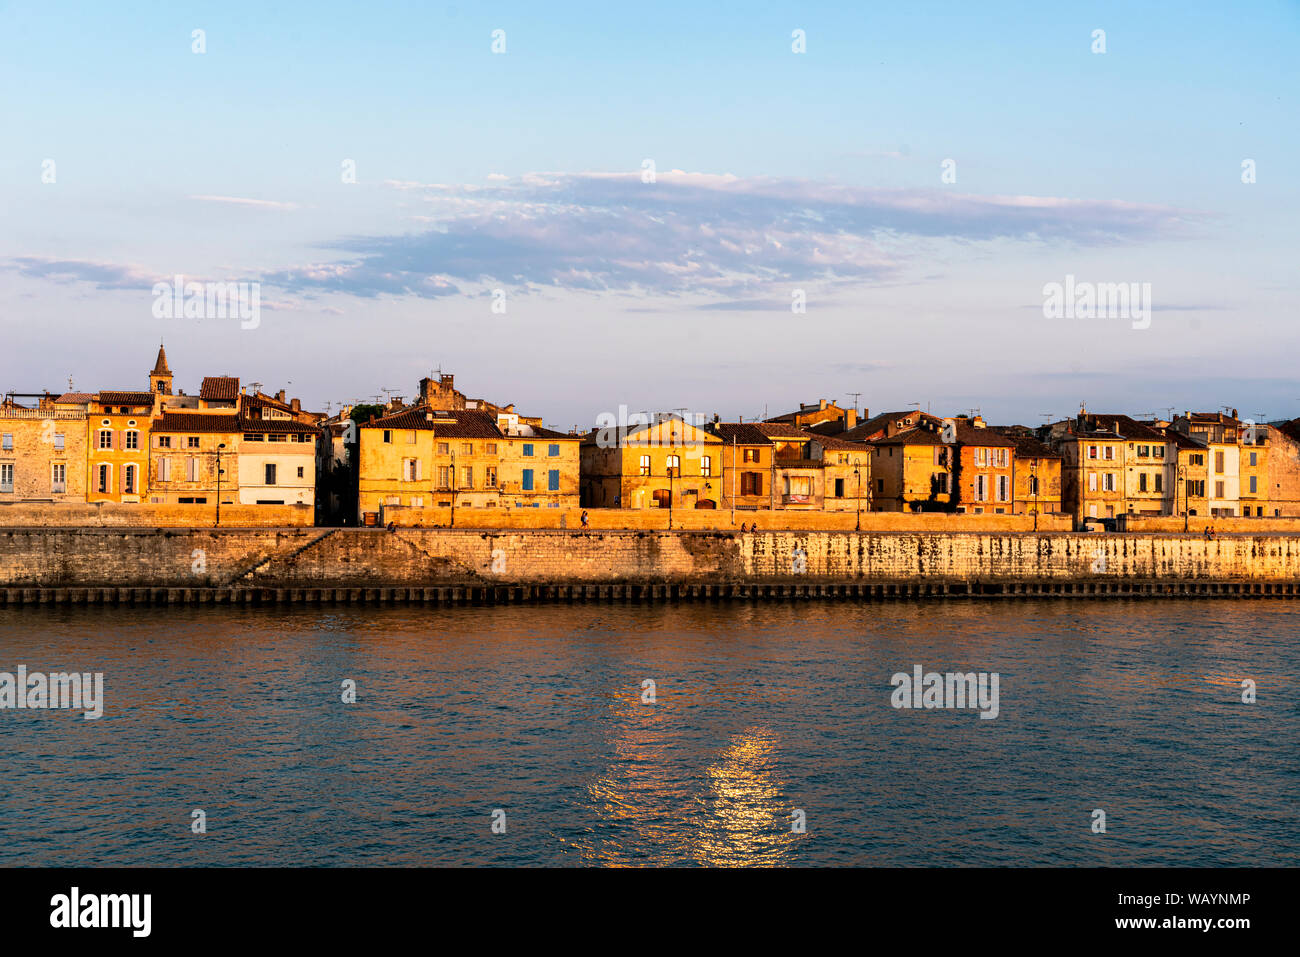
{"x":675,"y":465}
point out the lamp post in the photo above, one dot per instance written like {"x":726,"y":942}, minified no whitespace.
{"x":220,"y":446}
{"x":453,"y":488}
{"x":857,"y":474}
{"x":670,"y":493}
{"x":1182,"y":472}
{"x":1033,"y":477}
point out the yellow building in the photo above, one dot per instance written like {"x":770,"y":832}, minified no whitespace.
{"x":186,"y":452}
{"x":911,"y":471}
{"x":118,"y":441}
{"x":668,"y":463}
{"x":422,"y":458}
{"x":43,"y":449}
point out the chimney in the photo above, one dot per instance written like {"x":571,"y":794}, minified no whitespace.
{"x":1234,"y":413}
{"x":821,"y":405}
{"x":279,"y":396}
{"x":296,"y":404}
{"x":850,"y":419}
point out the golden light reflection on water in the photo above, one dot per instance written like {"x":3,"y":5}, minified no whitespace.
{"x":652,"y":810}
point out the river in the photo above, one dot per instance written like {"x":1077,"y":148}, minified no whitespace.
{"x":771,"y":738}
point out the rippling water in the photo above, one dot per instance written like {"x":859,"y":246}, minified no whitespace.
{"x":1133,"y":707}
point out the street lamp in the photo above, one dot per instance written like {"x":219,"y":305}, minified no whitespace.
{"x":220,"y":446}
{"x":1182,"y":472}
{"x":670,"y":492}
{"x":1033,"y":477}
{"x":857,"y":474}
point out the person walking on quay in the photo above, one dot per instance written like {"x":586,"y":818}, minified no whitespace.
{"x":583,"y":518}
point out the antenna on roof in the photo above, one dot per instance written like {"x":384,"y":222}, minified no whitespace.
{"x":257,"y":387}
{"x":70,"y":388}
{"x":856,"y":396}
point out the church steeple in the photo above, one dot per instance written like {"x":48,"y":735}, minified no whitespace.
{"x":160,"y":379}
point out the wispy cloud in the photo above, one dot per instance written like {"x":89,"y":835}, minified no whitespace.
{"x":696,"y":233}
{"x":244,"y":201}
{"x":104,"y":275}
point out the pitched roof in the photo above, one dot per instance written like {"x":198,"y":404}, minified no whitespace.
{"x":196,"y":422}
{"x":968,"y":434}
{"x":219,"y":388}
{"x":781,"y":430}
{"x":840,"y":444}
{"x":126,"y":398}
{"x":741,"y":433}
{"x":247,"y":424}
{"x":864,"y":430}
{"x":1028,"y":447}
{"x":460,"y":424}
{"x":916,"y":436}
{"x":77,"y":397}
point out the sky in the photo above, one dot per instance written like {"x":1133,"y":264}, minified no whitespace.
{"x":410,"y":199}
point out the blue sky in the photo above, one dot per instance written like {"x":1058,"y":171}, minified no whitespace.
{"x":521,"y":171}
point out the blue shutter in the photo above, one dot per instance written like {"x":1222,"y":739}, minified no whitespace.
{"x":528,"y":448}
{"x":553,"y":480}
{"x":528,"y":478}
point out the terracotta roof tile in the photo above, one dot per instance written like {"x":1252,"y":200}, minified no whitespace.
{"x":219,"y":388}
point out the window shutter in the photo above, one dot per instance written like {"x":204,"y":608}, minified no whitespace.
{"x":419,"y":469}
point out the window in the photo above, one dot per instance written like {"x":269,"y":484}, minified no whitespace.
{"x":940,"y":482}
{"x":191,"y":469}
{"x":528,"y":479}
{"x":706,"y":465}
{"x":58,"y":441}
{"x":388,"y":436}
{"x":444,"y":448}
{"x":528,"y":448}
{"x":1252,"y":460}
{"x":105,"y":473}
{"x":1092,"y":481}
{"x":1157,"y":451}
{"x":59,"y":477}
{"x":663,"y":498}
{"x":128,"y":480}
{"x":1218,"y":490}
{"x":270,"y":474}
{"x":410,"y":436}
{"x":1218,"y":463}
{"x":553,"y":450}
{"x":1160,"y":482}
{"x":553,"y":480}
{"x":1033,"y":485}
{"x":490,"y":448}
{"x":1144,"y":451}
{"x":301,"y":472}
{"x":1109,"y":453}
{"x":1253,"y":489}
{"x":645,"y":465}
{"x":1196,"y":488}
{"x":1142,"y":480}
{"x":1000,"y":458}
{"x":751,"y":455}
{"x":192,"y":441}
{"x":467,"y":448}
{"x":105,"y":439}
{"x":164,"y":441}
{"x":981,"y":457}
{"x":751,"y":483}
{"x":132,"y":439}
{"x":1003,"y":486}
{"x":466,"y":476}
{"x":444,"y":476}
{"x":981,"y":488}
{"x":7,"y":442}
{"x":839,"y":488}
{"x":1108,"y":484}
{"x":490,"y":476}
{"x":410,"y":470}
{"x":6,"y":476}
{"x":1197,"y":459}
{"x":1092,"y":451}
{"x":880,"y":486}
{"x":164,"y":469}
{"x":675,"y":465}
